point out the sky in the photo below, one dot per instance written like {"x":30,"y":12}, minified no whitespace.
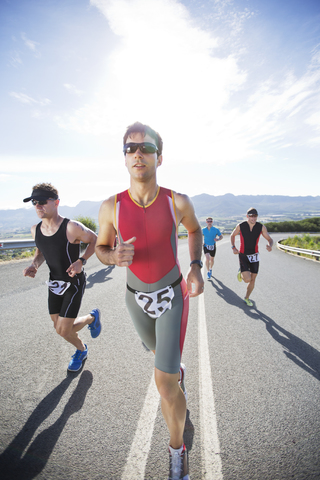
{"x":232,"y":86}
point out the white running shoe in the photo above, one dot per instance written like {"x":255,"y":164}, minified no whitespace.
{"x":177,"y":463}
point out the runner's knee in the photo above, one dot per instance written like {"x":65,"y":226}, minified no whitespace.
{"x":167,"y":384}
{"x":63,"y":329}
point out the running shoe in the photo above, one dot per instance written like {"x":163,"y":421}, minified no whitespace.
{"x":209,"y":275}
{"x":239,"y":276}
{"x":210,"y":271}
{"x":182,"y":379}
{"x":95,"y":326}
{"x":77,"y":360}
{"x":248,"y":302}
{"x":177,"y":463}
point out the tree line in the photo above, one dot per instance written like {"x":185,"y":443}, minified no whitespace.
{"x":306,"y":225}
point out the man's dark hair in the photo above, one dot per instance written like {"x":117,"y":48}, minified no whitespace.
{"x":138,"y":127}
{"x":46,"y":186}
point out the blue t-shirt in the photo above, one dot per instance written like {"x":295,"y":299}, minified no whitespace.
{"x":210,"y":235}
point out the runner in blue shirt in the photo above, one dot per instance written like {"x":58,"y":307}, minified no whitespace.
{"x":210,"y":234}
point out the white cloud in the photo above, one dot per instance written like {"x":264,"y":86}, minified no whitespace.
{"x":32,"y":45}
{"x":73,"y":89}
{"x":166,"y":71}
{"x":24,"y":98}
{"x":15,"y":58}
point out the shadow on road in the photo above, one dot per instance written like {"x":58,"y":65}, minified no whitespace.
{"x":17,"y":465}
{"x":99,"y":277}
{"x":227,"y":294}
{"x":188,"y":432}
{"x":299,"y":351}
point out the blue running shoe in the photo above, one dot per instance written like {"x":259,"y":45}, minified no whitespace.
{"x":209,"y":275}
{"x":77,"y":360}
{"x":95,"y":326}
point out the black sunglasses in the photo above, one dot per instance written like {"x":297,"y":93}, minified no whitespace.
{"x":39,"y":202}
{"x":144,"y":147}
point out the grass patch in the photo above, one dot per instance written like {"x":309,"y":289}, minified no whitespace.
{"x":306,"y":242}
{"x":16,"y":254}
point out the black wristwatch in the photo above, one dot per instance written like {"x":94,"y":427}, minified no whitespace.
{"x":83,"y":260}
{"x":198,"y":262}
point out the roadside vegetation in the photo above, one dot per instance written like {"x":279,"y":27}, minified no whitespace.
{"x":306,"y":242}
{"x":306,"y":225}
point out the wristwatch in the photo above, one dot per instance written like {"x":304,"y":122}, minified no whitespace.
{"x":198,"y":262}
{"x":83,"y":260}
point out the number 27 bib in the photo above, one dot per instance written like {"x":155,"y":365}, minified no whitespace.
{"x":155,"y":303}
{"x":58,"y":287}
{"x":253,"y":258}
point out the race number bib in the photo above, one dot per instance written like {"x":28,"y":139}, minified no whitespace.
{"x":253,"y":258}
{"x":155,"y":303}
{"x":210,"y":247}
{"x":58,"y":287}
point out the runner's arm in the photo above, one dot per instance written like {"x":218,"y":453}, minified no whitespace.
{"x":122,"y":254}
{"x":76,"y":233}
{"x":266,"y":235}
{"x":186,"y":215}
{"x":38,"y":259}
{"x":233,"y":235}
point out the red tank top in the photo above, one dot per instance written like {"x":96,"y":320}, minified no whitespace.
{"x":155,"y":227}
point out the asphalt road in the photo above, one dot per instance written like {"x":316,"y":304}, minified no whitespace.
{"x":252,"y":379}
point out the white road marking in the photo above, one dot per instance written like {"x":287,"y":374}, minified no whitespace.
{"x":211,"y":461}
{"x":137,"y":459}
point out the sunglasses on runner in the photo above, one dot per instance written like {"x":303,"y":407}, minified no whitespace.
{"x":39,"y":202}
{"x":252,"y":215}
{"x":144,"y":147}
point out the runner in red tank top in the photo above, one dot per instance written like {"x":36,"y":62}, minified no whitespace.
{"x":146,"y":218}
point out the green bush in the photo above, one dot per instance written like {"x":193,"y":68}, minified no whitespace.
{"x":306,"y":242}
{"x":306,"y":225}
{"x":87,"y":222}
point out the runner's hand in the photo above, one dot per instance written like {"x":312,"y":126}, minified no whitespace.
{"x":195,"y":283}
{"x":30,"y":271}
{"x":124,"y":253}
{"x":75,"y":268}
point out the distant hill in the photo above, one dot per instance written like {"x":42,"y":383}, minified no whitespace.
{"x":222,"y":206}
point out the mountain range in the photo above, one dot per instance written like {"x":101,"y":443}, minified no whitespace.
{"x":226,"y":206}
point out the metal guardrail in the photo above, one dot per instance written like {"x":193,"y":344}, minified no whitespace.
{"x":299,"y":251}
{"x":12,"y":244}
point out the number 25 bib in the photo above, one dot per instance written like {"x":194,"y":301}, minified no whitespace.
{"x":155,"y":303}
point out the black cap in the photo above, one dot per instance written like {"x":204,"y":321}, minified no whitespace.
{"x":39,"y":194}
{"x":252,"y":211}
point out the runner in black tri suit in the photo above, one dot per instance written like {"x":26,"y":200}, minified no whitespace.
{"x":250,"y":232}
{"x":58,"y":243}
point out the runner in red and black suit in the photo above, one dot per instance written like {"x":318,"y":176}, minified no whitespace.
{"x":146,"y":219}
{"x":250,"y":232}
